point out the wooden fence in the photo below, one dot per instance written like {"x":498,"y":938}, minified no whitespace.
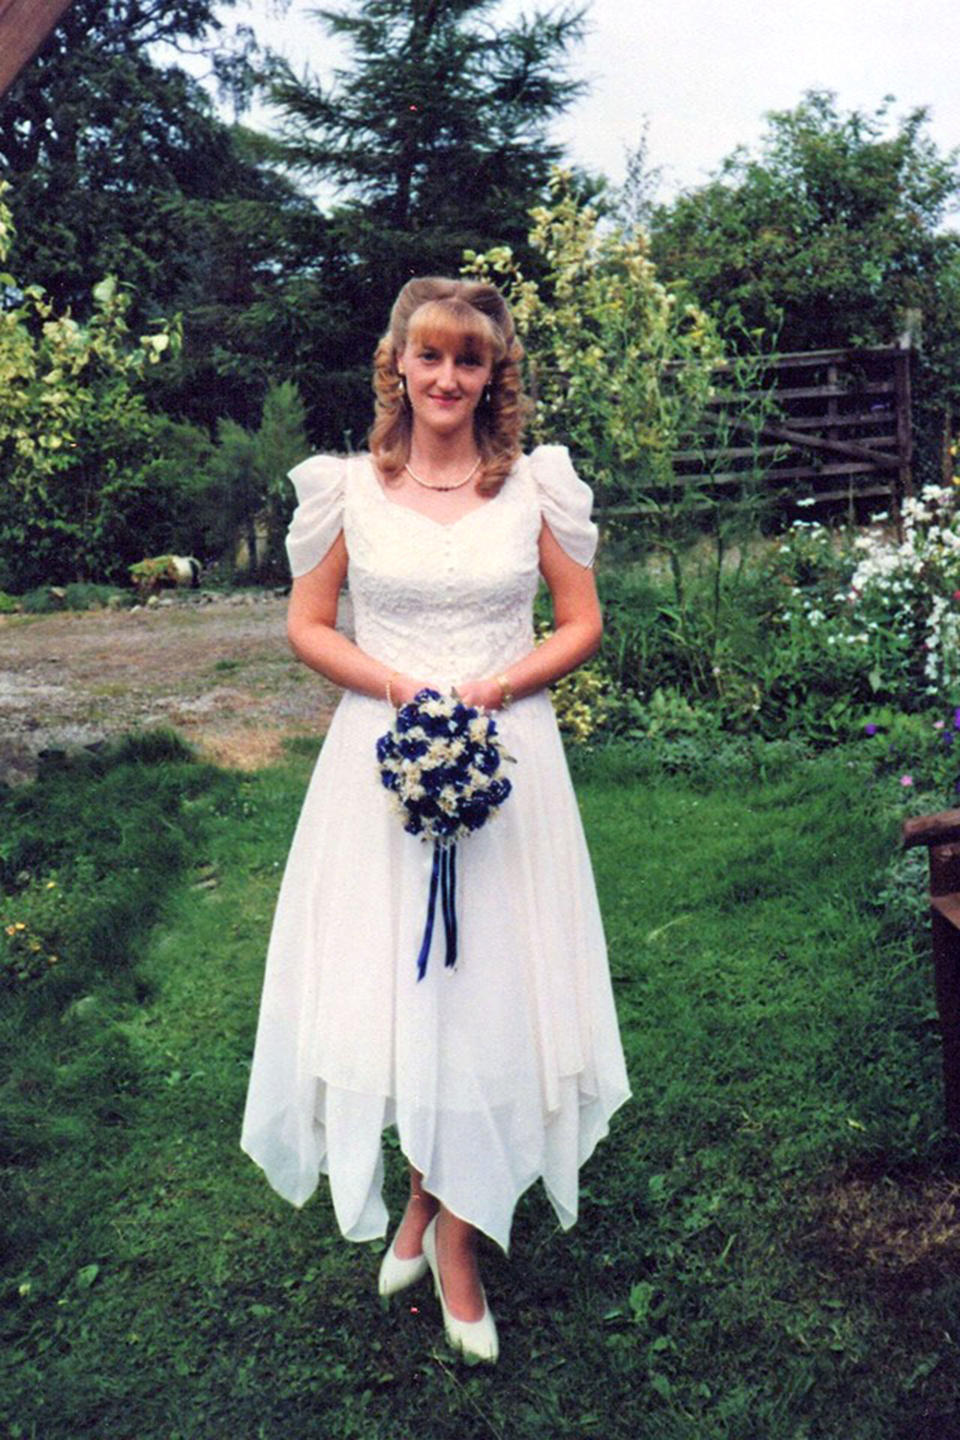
{"x":831,"y":427}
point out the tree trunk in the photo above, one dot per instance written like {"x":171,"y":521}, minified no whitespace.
{"x":24,"y":25}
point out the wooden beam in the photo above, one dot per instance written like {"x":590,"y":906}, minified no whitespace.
{"x":904,"y":428}
{"x":819,"y":442}
{"x":631,"y":512}
{"x":796,"y":359}
{"x":854,"y":492}
{"x":24,"y":25}
{"x":804,"y":392}
{"x":885,"y":417}
{"x":940,"y":829}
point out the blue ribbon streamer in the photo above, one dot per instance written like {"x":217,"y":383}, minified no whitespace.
{"x":448,"y":897}
{"x":443,"y":876}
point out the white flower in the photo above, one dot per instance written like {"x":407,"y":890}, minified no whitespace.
{"x":436,"y":709}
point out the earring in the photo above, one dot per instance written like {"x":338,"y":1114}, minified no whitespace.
{"x":402,"y":385}
{"x":488,"y":395}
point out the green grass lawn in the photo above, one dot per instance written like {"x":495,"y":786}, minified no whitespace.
{"x":767,"y":1245}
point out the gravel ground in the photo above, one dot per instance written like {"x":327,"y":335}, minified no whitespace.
{"x":220,"y":673}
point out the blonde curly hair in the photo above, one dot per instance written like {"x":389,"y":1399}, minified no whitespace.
{"x":434,"y":309}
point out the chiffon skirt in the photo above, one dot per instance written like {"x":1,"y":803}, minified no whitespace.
{"x":498,"y":1072}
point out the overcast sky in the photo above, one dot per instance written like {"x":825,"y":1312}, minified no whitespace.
{"x":704,"y":72}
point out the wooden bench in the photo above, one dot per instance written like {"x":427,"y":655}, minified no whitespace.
{"x":941,"y":834}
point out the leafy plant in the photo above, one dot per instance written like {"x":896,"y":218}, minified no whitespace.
{"x":71,"y":417}
{"x":247,"y":494}
{"x":619,"y":369}
{"x":866,"y":618}
{"x":635,"y":381}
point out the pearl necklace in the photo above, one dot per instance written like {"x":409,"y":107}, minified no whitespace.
{"x":458,"y":485}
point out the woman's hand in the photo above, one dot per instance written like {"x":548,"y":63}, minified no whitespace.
{"x":483,"y":694}
{"x":404,"y":687}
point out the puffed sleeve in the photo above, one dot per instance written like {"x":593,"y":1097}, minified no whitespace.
{"x":565,"y":502}
{"x":318,"y":519}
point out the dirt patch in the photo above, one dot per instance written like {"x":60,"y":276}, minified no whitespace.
{"x":902,"y":1229}
{"x":220,"y":673}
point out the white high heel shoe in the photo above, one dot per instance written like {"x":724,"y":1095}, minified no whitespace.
{"x":475,"y":1339}
{"x":397,"y":1274}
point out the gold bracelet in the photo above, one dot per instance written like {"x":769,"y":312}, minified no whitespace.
{"x":506,"y":693}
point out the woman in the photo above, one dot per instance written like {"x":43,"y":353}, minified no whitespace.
{"x":507,"y":1068}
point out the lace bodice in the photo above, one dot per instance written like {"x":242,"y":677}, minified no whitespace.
{"x":445,"y":602}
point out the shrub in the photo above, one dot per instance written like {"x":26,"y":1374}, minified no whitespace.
{"x":43,"y":600}
{"x":73,"y":422}
{"x":874,"y":618}
{"x":81,"y":595}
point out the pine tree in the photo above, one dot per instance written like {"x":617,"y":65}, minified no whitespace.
{"x":442,"y":123}
{"x":437,"y":138}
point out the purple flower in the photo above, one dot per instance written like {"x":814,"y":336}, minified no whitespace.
{"x":906,"y":780}
{"x":870,"y":729}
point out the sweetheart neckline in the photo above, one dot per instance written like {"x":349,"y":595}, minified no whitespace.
{"x":440,"y":524}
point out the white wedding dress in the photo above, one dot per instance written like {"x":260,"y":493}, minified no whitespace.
{"x":507,"y":1068}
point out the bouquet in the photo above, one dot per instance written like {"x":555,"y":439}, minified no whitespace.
{"x":440,"y":761}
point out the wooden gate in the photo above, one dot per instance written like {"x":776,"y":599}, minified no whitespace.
{"x":834,"y":426}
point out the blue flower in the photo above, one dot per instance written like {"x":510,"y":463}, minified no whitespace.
{"x":469,"y":801}
{"x":386,"y":749}
{"x":412,"y":749}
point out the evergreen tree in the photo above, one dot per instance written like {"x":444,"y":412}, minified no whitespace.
{"x":248,"y":495}
{"x":438,"y":139}
{"x":119,"y":164}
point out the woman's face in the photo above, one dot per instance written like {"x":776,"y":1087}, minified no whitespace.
{"x":445,"y":381}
